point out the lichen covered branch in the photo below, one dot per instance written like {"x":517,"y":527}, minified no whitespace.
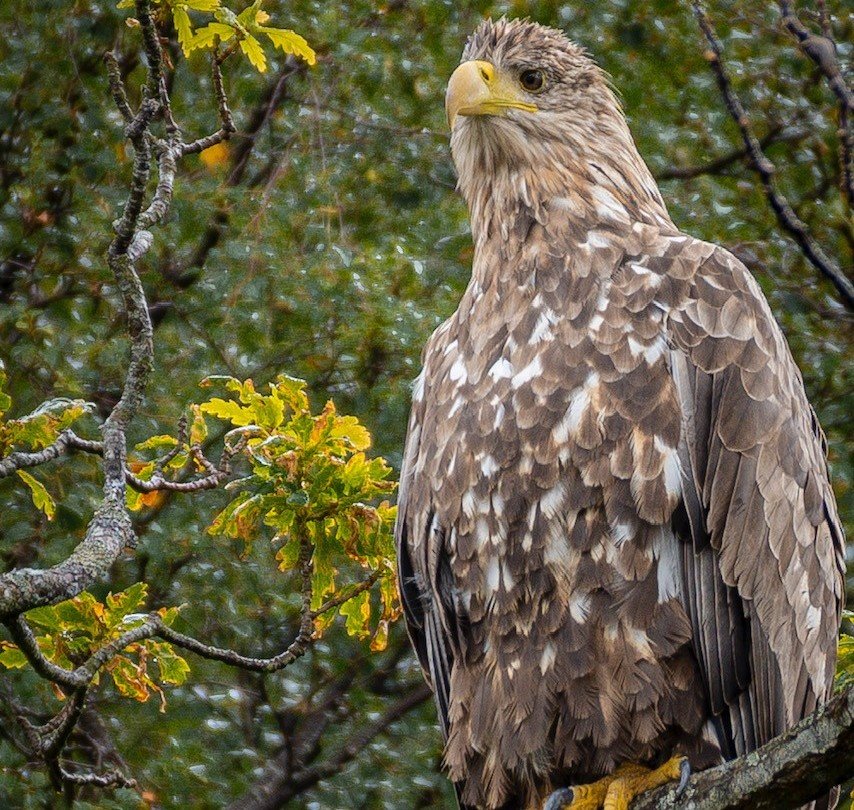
{"x":67,"y":440}
{"x":796,"y":767}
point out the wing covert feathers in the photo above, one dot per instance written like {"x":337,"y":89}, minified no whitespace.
{"x":763,"y":559}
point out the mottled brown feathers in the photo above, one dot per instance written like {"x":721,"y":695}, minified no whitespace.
{"x":617,"y":537}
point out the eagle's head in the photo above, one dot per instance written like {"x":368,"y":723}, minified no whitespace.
{"x":529,"y":107}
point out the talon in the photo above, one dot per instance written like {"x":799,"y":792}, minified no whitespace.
{"x":684,"y":776}
{"x":559,"y":800}
{"x":617,"y":790}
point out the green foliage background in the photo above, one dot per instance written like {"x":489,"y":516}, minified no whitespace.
{"x":330,"y":253}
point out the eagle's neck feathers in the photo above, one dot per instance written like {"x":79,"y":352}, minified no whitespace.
{"x":592,"y":175}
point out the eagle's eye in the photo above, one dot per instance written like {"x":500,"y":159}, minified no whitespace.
{"x":532,"y":80}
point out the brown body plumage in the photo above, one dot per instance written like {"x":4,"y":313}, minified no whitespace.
{"x":617,"y":538}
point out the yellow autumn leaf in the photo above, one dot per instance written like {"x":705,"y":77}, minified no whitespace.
{"x":379,"y":641}
{"x":41,"y":497}
{"x":254,"y":52}
{"x":216,"y":156}
{"x":183,"y":27}
{"x":290,"y":42}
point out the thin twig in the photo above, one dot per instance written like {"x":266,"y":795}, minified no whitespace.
{"x":227,"y":128}
{"x":718,"y":164}
{"x":821,"y":49}
{"x":786,"y":216}
{"x":347,"y":595}
{"x":53,"y":743}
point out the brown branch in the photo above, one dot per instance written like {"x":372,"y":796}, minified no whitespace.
{"x":787,"y":218}
{"x":68,"y":440}
{"x":159,"y":484}
{"x":801,"y":765}
{"x":718,"y":164}
{"x":216,"y":474}
{"x":244,"y":144}
{"x":822,"y":51}
{"x":275,"y":787}
{"x":227,"y":127}
{"x":296,"y":649}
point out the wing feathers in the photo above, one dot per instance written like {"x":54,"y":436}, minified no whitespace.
{"x":763,"y":544}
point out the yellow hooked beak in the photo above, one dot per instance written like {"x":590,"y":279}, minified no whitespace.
{"x":477,"y":88}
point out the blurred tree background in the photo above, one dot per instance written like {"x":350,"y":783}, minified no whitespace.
{"x":325,"y":241}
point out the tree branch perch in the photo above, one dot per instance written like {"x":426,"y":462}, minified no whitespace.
{"x":803,"y":764}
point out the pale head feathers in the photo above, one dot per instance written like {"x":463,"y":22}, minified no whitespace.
{"x":574,"y":152}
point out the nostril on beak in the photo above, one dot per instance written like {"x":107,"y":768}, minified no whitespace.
{"x":486,"y":71}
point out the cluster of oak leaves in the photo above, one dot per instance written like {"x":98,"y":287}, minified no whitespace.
{"x":308,"y":481}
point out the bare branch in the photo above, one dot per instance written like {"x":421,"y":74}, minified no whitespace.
{"x":296,"y":649}
{"x":108,"y":779}
{"x":786,"y":216}
{"x":151,"y":46}
{"x":822,"y":51}
{"x":227,"y":127}
{"x":719,"y":164}
{"x":216,"y":474}
{"x":67,"y":440}
{"x":796,"y":767}
{"x":158,"y":483}
{"x":117,"y":87}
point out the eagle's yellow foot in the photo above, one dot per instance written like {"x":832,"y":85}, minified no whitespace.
{"x":616,"y":791}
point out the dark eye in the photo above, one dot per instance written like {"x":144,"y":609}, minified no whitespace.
{"x":532,"y":80}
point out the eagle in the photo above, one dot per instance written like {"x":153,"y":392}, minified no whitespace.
{"x":619,"y":552}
